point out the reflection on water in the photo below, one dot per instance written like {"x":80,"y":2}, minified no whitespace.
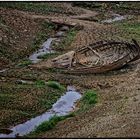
{"x":62,"y":107}
{"x":46,"y":49}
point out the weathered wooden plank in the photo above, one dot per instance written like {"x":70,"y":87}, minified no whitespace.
{"x":99,"y":57}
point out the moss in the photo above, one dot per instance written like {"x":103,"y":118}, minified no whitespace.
{"x":55,"y":85}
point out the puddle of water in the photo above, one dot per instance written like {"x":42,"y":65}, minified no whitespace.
{"x":117,"y":17}
{"x":46,"y":49}
{"x":62,"y":107}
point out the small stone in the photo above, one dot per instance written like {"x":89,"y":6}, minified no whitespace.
{"x":59,"y":34}
{"x":64,"y":28}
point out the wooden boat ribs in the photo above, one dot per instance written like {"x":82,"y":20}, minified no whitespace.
{"x":98,"y":57}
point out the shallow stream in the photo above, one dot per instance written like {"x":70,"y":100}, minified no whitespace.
{"x":47,"y":45}
{"x":62,"y":107}
{"x":116,"y":17}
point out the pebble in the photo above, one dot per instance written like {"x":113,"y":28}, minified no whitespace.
{"x":64,"y":28}
{"x":59,"y":34}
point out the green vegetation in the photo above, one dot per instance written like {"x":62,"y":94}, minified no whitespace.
{"x":47,"y":29}
{"x":89,"y":99}
{"x":48,"y":55}
{"x":42,"y":33}
{"x":48,"y":99}
{"x":53,"y":70}
{"x":48,"y":125}
{"x":20,"y":102}
{"x":67,"y":40}
{"x":25,"y":63}
{"x":122,"y":7}
{"x":55,"y":85}
{"x":52,"y":84}
{"x":87,"y":4}
{"x":40,"y":83}
{"x":6,"y":97}
{"x":48,"y":25}
{"x":130,"y":29}
{"x":38,"y":7}
{"x":31,"y":6}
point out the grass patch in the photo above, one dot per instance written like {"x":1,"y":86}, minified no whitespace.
{"x":48,"y":55}
{"x":25,"y":63}
{"x":40,"y":83}
{"x":38,"y":7}
{"x":30,"y":6}
{"x":122,"y":7}
{"x":13,"y":117}
{"x":130,"y":29}
{"x":4,"y":98}
{"x":20,"y":103}
{"x":89,"y":5}
{"x":48,"y":99}
{"x":67,"y":40}
{"x":89,"y":99}
{"x":125,"y":7}
{"x":55,"y":85}
{"x":48,"y":125}
{"x":47,"y":29}
{"x":53,"y":70}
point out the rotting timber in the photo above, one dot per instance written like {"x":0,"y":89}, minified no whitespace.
{"x":98,"y":57}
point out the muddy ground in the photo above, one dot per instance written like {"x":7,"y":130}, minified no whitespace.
{"x":23,"y":30}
